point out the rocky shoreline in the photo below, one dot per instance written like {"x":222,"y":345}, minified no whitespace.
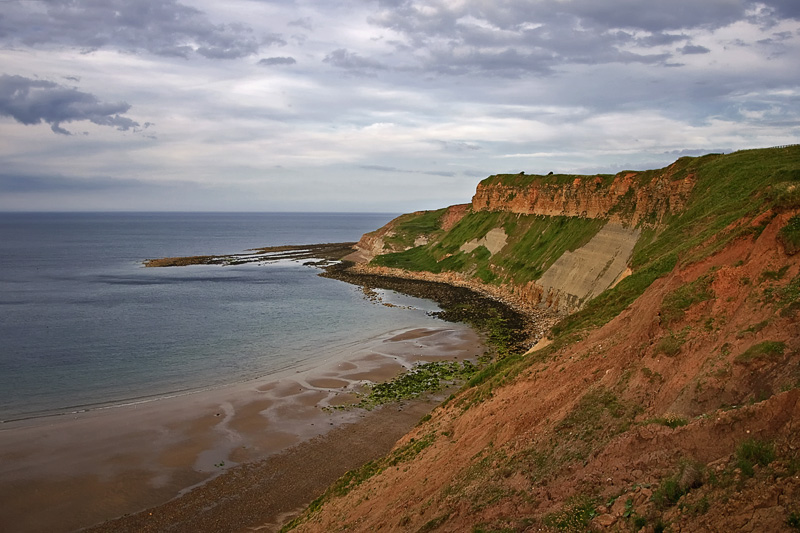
{"x":484,"y":307}
{"x":461,"y":299}
{"x":323,"y":254}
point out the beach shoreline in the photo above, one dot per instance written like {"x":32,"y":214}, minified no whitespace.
{"x":109,"y":469}
{"x":69,"y":472}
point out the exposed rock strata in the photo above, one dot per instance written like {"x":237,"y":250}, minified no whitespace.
{"x":629,"y":198}
{"x":579,"y":276}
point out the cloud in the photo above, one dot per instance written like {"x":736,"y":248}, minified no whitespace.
{"x":35,"y":101}
{"x":13,"y":183}
{"x":426,"y":92}
{"x":345,"y":59}
{"x":523,"y":39}
{"x":784,"y":8}
{"x":693,"y":49}
{"x":382,"y":168}
{"x":272,"y":61}
{"x":514,"y":39}
{"x":457,"y":146}
{"x":656,"y":17}
{"x":660,"y":39}
{"x":304,"y":23}
{"x":161,"y":27}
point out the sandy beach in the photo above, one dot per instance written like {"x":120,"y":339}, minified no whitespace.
{"x":74,"y":471}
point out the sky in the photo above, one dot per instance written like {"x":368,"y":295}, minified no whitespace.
{"x":373,"y":106}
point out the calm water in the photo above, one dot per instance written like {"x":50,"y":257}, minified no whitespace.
{"x":83,"y":324}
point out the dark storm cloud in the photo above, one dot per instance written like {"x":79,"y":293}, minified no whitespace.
{"x":162,"y":27}
{"x":272,"y":61}
{"x":660,"y":39}
{"x":35,"y":101}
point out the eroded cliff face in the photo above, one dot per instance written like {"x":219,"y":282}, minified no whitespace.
{"x":643,"y":423}
{"x":579,"y":276}
{"x":630,"y":197}
{"x":669,"y":403}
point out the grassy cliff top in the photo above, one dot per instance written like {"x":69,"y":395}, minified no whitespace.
{"x":524,"y":180}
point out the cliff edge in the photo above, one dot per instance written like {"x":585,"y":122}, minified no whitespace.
{"x":669,"y":401}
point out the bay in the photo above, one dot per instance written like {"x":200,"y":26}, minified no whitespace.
{"x":84,"y":325}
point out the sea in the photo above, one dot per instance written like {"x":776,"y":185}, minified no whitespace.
{"x":84,"y":325}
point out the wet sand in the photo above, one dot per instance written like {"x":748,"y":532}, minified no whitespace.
{"x":70,"y":472}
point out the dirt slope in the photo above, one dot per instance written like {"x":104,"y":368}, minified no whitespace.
{"x":680,"y":414}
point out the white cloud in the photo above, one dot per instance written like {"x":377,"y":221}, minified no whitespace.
{"x":256,"y":103}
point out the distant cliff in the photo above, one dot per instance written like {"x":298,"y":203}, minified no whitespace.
{"x":628,"y":197}
{"x":551,"y":242}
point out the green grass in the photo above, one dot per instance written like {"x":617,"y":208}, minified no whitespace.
{"x":763,"y":351}
{"x":754,"y":452}
{"x":354,"y":478}
{"x":677,"y":302}
{"x":575,"y":516}
{"x":434,"y":523}
{"x":538,"y":241}
{"x":534,"y":243}
{"x":428,"y":377}
{"x":526,"y":180}
{"x":730,"y":191}
{"x":671,"y":421}
{"x":786,"y":298}
{"x":773,"y":275}
{"x":689,"y":476}
{"x":416,"y":259}
{"x":755,"y":328}
{"x":599,"y":416}
{"x":412,"y":225}
{"x":729,"y":188}
{"x":670,"y":345}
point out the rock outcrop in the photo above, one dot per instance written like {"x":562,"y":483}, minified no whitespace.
{"x":628,"y":197}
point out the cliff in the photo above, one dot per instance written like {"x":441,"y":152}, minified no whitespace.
{"x":551,"y":242}
{"x":628,"y":197}
{"x":669,"y":401}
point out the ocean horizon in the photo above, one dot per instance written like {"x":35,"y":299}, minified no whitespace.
{"x":85,"y":325}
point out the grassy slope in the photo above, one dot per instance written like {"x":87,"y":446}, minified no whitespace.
{"x":736,"y":198}
{"x":534,"y":243}
{"x":731,"y":191}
